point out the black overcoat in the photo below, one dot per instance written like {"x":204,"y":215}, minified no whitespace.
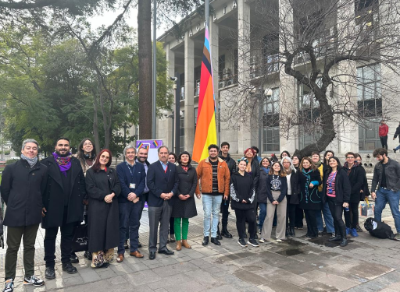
{"x":103,"y":222}
{"x":187,"y":186}
{"x":22,"y":189}
{"x":310,"y":198}
{"x":294,"y":185}
{"x":262,"y":187}
{"x":53,"y":199}
{"x":342,"y":187}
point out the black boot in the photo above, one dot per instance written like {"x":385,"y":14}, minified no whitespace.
{"x":219,"y":237}
{"x":344,"y":242}
{"x":225,"y":233}
{"x":292,"y":233}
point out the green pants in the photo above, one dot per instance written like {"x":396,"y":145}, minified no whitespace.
{"x":184,"y":229}
{"x":14,"y":236}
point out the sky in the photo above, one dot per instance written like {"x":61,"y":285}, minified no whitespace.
{"x":109,"y":16}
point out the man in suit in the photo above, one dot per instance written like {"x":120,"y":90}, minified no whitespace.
{"x":162,"y":181}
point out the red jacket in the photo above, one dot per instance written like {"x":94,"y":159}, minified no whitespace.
{"x":383,"y":130}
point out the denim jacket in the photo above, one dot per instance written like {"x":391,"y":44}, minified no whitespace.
{"x":392,"y":173}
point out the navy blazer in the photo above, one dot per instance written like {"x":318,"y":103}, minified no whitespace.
{"x":126,"y":178}
{"x":159,"y":181}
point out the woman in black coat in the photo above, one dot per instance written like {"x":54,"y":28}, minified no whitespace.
{"x":292,"y":195}
{"x":262,"y":191}
{"x":337,"y":192}
{"x":103,"y":189}
{"x":310,"y":200}
{"x":243,"y":202}
{"x":184,"y":206}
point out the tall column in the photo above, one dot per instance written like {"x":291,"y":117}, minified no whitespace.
{"x":244,"y":132}
{"x":166,"y":126}
{"x":214,"y":46}
{"x":189,"y":93}
{"x":288,"y":133}
{"x":347,"y":85}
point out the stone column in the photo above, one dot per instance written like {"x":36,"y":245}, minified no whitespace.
{"x":166,"y":125}
{"x":288,"y":85}
{"x":189,"y":93}
{"x":346,"y":89}
{"x":245,"y":129}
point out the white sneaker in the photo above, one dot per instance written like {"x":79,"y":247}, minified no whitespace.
{"x":33,"y":280}
{"x":262,"y":240}
{"x":9,"y":287}
{"x":278,"y":240}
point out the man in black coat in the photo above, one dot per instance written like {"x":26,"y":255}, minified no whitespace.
{"x":397,"y":134}
{"x":224,"y":155}
{"x":63,"y":205}
{"x":162,"y":181}
{"x":22,"y":189}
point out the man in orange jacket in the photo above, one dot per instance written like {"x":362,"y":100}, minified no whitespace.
{"x":383,"y":134}
{"x":214,"y":177}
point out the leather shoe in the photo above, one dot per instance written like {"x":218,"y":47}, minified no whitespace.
{"x":152,"y":255}
{"x":136,"y":254}
{"x":215,"y":241}
{"x":166,"y":251}
{"x":50,"y":273}
{"x":225,"y":233}
{"x":69,"y":268}
{"x":336,"y":238}
{"x":120,"y":258}
{"x":178,"y":245}
{"x":205,"y":240}
{"x":186,"y":244}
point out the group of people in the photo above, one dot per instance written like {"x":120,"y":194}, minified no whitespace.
{"x":62,"y":190}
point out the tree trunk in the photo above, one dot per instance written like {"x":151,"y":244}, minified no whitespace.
{"x":145,"y":69}
{"x":95,"y":125}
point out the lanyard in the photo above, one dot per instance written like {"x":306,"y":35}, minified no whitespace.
{"x":130,"y":170}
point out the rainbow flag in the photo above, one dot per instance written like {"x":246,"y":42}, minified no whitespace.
{"x":206,"y":129}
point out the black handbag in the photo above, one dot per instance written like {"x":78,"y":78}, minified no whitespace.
{"x":80,"y":241}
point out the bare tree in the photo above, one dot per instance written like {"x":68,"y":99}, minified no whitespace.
{"x":318,"y":46}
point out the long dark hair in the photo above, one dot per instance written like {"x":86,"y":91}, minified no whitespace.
{"x":284,"y":151}
{"x":80,"y":153}
{"x":339,"y":165}
{"x":326,"y":152}
{"x":97,"y":166}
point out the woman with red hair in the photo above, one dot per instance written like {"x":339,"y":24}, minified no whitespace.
{"x":103,"y":188}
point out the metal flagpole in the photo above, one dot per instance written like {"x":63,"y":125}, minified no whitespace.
{"x":153,"y":112}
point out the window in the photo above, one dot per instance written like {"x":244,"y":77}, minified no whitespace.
{"x":309,"y":116}
{"x":369,"y":105}
{"x":196,"y":110}
{"x":270,"y":133}
{"x":271,"y":53}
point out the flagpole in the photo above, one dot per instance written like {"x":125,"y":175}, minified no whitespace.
{"x":207,"y":6}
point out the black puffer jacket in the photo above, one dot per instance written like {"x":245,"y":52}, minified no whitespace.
{"x":231,"y":163}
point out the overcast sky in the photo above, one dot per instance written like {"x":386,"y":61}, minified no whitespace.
{"x":108,"y":18}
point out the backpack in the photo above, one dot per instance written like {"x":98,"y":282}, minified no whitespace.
{"x":378,"y":229}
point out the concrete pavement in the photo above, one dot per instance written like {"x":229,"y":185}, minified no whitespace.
{"x":366,"y":264}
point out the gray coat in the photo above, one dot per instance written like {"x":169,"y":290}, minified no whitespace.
{"x":187,"y":186}
{"x":22,"y":189}
{"x":392,"y":173}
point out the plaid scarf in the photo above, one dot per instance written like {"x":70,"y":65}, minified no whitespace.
{"x":64,"y":163}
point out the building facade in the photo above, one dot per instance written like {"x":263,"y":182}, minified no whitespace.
{"x":240,"y":61}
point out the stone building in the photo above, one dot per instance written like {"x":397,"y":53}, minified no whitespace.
{"x":236,"y":62}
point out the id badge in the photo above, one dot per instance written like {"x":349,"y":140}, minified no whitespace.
{"x":132,"y":186}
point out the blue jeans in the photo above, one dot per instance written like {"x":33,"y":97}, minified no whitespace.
{"x":263,"y":213}
{"x":397,"y":148}
{"x":211,"y":205}
{"x":384,"y":196}
{"x":330,"y":228}
{"x":129,"y":219}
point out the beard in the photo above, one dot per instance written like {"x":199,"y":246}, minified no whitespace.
{"x":63,"y":155}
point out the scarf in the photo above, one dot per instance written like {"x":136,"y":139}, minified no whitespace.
{"x":265,"y":169}
{"x":346,"y":165}
{"x":32,"y":161}
{"x":64,"y":163}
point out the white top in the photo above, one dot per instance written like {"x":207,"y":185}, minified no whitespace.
{"x":289,"y":187}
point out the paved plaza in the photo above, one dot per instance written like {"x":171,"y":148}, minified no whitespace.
{"x":366,"y":264}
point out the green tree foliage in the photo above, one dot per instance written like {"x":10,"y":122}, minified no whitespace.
{"x":52,"y":89}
